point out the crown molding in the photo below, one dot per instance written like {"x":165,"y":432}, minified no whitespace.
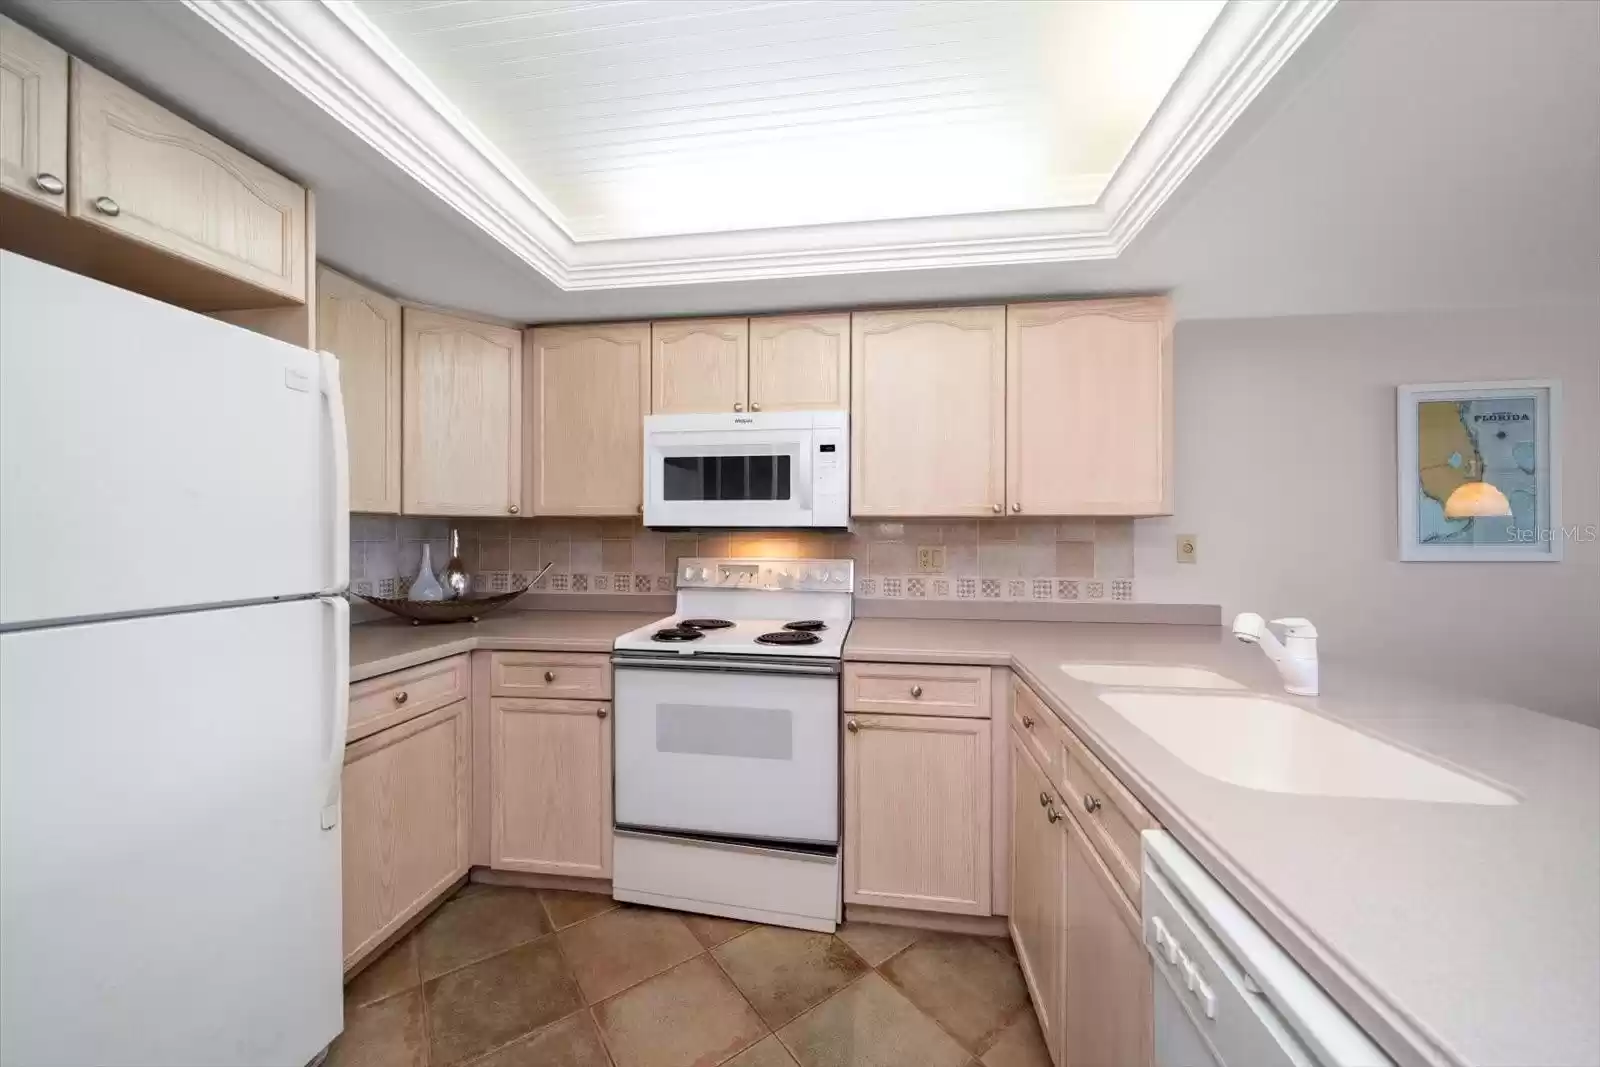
{"x":335,"y":57}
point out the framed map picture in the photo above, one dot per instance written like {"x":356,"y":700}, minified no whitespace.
{"x":1479,"y":471}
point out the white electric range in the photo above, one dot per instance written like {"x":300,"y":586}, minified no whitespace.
{"x":727,"y":743}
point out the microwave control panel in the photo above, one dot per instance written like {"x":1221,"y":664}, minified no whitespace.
{"x":830,"y":472}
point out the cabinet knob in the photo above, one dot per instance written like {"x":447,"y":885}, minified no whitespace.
{"x":1044,"y":800}
{"x":401,"y":697}
{"x":738,"y":407}
{"x":600,"y":712}
{"x":916,"y":692}
{"x":997,"y":508}
{"x":852,"y":726}
{"x":513,"y":509}
{"x":754,"y":406}
{"x":1091,"y":803}
{"x":549,"y":676}
{"x":107,"y":206}
{"x":1027,"y":722}
{"x":1016,"y":507}
{"x":1052,"y":814}
{"x":48,"y":183}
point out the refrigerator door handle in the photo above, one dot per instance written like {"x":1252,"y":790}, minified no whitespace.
{"x":340,"y":437}
{"x":341,"y":706}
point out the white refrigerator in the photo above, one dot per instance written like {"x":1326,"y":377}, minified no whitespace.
{"x":174,"y":664}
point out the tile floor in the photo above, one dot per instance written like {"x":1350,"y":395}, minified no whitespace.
{"x":518,"y":978}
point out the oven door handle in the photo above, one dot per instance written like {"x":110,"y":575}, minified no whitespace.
{"x":726,"y":665}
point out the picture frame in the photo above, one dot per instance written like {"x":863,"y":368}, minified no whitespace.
{"x":1478,"y":470}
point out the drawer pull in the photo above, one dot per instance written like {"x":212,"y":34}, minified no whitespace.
{"x":852,"y":726}
{"x":916,"y":692}
{"x":401,"y":697}
{"x":1027,"y":722}
{"x":48,"y":183}
{"x":107,"y":206}
{"x":1044,"y":800}
{"x":1052,"y":814}
{"x":1091,"y":803}
{"x":549,"y":676}
{"x":600,"y":712}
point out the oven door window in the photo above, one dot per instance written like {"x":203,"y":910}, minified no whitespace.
{"x":732,"y":754}
{"x":739,"y":478}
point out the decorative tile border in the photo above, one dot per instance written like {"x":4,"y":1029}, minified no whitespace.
{"x":973,"y":587}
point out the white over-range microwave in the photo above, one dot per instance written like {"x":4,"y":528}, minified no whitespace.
{"x":767,"y":470}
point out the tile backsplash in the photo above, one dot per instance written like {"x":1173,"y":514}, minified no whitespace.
{"x":1006,"y":559}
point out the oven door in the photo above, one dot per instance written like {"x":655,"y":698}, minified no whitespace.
{"x":727,"y":751}
{"x":757,"y":475}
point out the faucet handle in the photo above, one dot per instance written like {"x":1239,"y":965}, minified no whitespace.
{"x":1295,"y":626}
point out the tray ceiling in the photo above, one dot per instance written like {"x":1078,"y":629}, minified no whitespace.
{"x":623,"y":144}
{"x":691,"y":116}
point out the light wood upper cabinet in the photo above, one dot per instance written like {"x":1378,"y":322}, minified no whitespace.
{"x":362,"y":328}
{"x":1038,"y":898}
{"x":404,"y":818}
{"x":551,"y":786}
{"x":917,"y":813}
{"x":800,"y":363}
{"x":699,"y":365}
{"x":588,"y":391}
{"x":1108,"y":974}
{"x":462,"y":427}
{"x":33,"y":116}
{"x":927,"y":412}
{"x":1089,"y":407}
{"x":140,"y":171}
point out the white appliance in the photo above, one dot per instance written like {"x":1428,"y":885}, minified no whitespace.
{"x":1226,"y":994}
{"x":174,"y":663}
{"x":769,"y":470}
{"x":727,"y":744}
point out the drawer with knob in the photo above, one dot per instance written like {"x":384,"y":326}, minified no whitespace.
{"x":562,"y":675}
{"x":917,"y":689}
{"x":1111,"y":817}
{"x":1038,"y":728}
{"x":381,"y":702}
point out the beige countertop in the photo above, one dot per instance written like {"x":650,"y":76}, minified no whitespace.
{"x":1453,"y":933}
{"x":380,"y":647}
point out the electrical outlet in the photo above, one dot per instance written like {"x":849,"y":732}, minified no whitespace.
{"x":930,"y":558}
{"x":1188,"y":548}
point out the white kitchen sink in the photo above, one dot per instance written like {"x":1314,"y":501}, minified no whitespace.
{"x":1148,"y":675}
{"x":1275,"y":747}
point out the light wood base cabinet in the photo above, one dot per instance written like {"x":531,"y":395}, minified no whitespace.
{"x":404,"y":818}
{"x":917,"y":813}
{"x":550,"y":783}
{"x":1038,"y":902}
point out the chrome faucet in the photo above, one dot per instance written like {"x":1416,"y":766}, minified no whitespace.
{"x":1295,"y":656}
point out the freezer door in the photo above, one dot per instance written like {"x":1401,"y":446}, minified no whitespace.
{"x":168,"y":895}
{"x":153,"y":458}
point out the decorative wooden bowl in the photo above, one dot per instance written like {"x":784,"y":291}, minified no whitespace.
{"x":462,"y":609}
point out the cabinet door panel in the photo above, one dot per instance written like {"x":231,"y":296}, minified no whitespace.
{"x":588,"y":393}
{"x":927,"y":412}
{"x":551,"y":781}
{"x":917,"y":813}
{"x":33,"y":115}
{"x":404,"y":816}
{"x":1108,"y":973}
{"x":1089,"y":407}
{"x":699,"y":365}
{"x":178,"y":188}
{"x":463,"y":417}
{"x":362,"y":328}
{"x":1038,"y":897}
{"x":800,"y":363}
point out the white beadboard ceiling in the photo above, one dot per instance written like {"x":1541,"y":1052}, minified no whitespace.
{"x":641,"y":118}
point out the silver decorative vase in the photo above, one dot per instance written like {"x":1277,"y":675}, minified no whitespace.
{"x":454,"y":577}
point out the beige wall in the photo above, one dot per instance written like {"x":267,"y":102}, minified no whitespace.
{"x":1286,"y":472}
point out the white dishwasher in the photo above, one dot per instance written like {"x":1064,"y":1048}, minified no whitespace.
{"x":1226,"y":994}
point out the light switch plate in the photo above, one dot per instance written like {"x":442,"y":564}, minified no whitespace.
{"x":930,"y":558}
{"x":1188,"y":548}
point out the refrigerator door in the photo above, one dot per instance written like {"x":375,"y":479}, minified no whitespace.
{"x":168,"y":895}
{"x":155,"y":459}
